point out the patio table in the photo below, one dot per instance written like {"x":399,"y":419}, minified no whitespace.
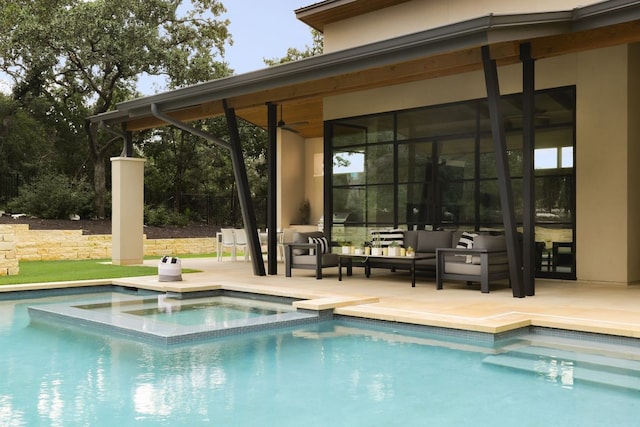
{"x":384,"y":261}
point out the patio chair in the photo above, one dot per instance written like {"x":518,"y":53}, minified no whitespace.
{"x":228,"y":241}
{"x":284,"y":237}
{"x":304,"y":253}
{"x":241,"y":242}
{"x":485,"y":262}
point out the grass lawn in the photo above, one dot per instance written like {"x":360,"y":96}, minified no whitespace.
{"x":63,"y":271}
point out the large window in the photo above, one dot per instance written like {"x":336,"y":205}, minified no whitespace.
{"x":436,"y":167}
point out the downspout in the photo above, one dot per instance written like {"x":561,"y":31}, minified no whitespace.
{"x":127,"y":148}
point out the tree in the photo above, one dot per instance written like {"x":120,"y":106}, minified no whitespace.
{"x":88,"y":55}
{"x":294,"y":54}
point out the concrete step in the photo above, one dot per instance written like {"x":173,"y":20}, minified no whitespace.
{"x":567,"y":371}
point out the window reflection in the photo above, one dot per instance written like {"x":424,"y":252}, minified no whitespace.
{"x":436,"y":166}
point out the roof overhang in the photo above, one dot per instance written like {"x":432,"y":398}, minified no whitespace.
{"x":325,"y":12}
{"x":300,"y":86}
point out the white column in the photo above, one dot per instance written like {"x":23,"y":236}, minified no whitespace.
{"x":127,"y":216}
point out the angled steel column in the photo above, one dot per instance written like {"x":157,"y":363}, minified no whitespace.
{"x":272,"y":190}
{"x":504,"y":176}
{"x":244,"y":192}
{"x":239,"y":172}
{"x":528,"y":146}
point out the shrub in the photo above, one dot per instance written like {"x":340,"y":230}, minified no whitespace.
{"x":54,"y":196}
{"x":159,"y":216}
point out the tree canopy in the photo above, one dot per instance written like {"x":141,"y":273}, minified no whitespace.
{"x":71,"y":59}
{"x":86,"y":56}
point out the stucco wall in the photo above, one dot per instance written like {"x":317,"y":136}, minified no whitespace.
{"x":314,"y":185}
{"x":633,"y":159}
{"x":607,"y":146}
{"x":601,"y":151}
{"x":418,"y":15}
{"x":291,"y":177}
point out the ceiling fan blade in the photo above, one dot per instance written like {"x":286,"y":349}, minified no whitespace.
{"x":300,"y":123}
{"x":289,"y":126}
{"x":290,"y":129}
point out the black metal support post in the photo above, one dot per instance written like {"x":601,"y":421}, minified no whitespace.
{"x":528,"y":146}
{"x":272,"y":190}
{"x":244,"y":193}
{"x":240,"y":174}
{"x":504,"y":176}
{"x":327,"y":177}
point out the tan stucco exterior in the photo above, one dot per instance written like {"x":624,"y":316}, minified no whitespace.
{"x":419,"y":15}
{"x":127,"y":210}
{"x":291,"y":177}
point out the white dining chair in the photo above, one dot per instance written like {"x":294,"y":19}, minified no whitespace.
{"x":228,"y":241}
{"x":241,"y":242}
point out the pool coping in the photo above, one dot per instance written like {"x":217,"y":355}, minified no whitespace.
{"x":357,"y":306}
{"x":122,"y":323}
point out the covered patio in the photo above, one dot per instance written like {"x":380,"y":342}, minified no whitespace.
{"x":302,"y":92}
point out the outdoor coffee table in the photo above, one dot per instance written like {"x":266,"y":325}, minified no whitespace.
{"x":399,"y":262}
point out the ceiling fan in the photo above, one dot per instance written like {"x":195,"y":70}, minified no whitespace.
{"x":289,"y":126}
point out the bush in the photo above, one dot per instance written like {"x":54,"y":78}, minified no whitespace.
{"x":52,"y":196}
{"x":160,"y":216}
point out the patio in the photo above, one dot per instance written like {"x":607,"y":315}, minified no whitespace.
{"x":605,"y":308}
{"x":590,"y":307}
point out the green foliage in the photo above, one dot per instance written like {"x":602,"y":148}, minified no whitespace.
{"x":24,"y":145}
{"x":294,"y":54}
{"x":161,"y":215}
{"x":70,"y":59}
{"x":85,"y":56}
{"x":54,"y":196}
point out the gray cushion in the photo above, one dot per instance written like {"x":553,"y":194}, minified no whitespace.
{"x":429,"y":241}
{"x":492,"y":243}
{"x":411,"y":239}
{"x":472,"y":269}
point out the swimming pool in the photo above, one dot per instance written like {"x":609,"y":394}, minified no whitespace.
{"x":327,"y":373}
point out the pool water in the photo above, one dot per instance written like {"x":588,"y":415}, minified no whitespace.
{"x":210,"y":311}
{"x":329,"y":373}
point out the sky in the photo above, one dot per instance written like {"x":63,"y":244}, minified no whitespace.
{"x":259,"y":29}
{"x":264,"y":29}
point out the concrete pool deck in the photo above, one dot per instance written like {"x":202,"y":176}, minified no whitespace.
{"x":604,"y":308}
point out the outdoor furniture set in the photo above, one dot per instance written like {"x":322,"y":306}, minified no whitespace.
{"x":451,"y":255}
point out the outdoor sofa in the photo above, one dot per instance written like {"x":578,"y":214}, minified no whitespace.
{"x":473,"y":257}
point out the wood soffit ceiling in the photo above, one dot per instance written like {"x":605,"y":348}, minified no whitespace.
{"x":300,"y":105}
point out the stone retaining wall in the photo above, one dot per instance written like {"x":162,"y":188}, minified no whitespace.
{"x":19,"y":243}
{"x":8,"y":251}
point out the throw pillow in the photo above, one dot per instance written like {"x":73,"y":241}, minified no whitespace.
{"x":387,"y":236}
{"x":466,"y":242}
{"x":324,"y":245}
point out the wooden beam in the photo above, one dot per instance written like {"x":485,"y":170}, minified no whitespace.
{"x":563,"y":44}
